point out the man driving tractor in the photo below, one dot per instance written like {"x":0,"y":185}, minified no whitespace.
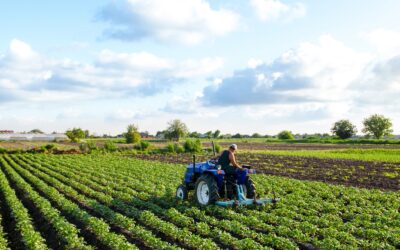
{"x":227,"y":160}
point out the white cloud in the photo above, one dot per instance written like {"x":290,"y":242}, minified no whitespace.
{"x":312,"y":72}
{"x":387,"y":42}
{"x":253,"y":63}
{"x":184,"y":21}
{"x":268,"y":10}
{"x":27,"y":75}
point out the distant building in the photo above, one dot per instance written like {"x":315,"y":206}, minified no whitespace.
{"x":6,"y":132}
{"x":32,"y":137}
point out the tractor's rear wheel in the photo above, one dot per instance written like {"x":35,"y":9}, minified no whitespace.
{"x":182,"y":192}
{"x":206,"y":190}
{"x":250,"y":188}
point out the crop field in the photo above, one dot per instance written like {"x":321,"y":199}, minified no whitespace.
{"x":351,"y":172}
{"x":115,"y":202}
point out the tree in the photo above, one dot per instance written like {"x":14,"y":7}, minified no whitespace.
{"x":75,"y":134}
{"x":344,"y":129}
{"x":208,"y":134}
{"x":285,"y":135}
{"x":132,"y":134}
{"x":256,"y":135}
{"x":378,"y":126}
{"x":176,"y":130}
{"x":194,"y":134}
{"x":237,"y":136}
{"x":36,"y":131}
{"x":87,"y":133}
{"x":217,"y":133}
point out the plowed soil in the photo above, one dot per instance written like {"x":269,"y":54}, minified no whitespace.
{"x":381,"y":175}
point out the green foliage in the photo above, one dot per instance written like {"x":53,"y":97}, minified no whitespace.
{"x":110,"y":146}
{"x":175,"y":148}
{"x":75,"y":135}
{"x":285,"y":135}
{"x":92,"y":145}
{"x":143,"y":145}
{"x":323,"y":216}
{"x":49,"y":146}
{"x":176,"y":130}
{"x":377,"y":126}
{"x":193,"y":146}
{"x":237,"y":136}
{"x":3,"y":150}
{"x":344,"y":129}
{"x":194,"y":135}
{"x":217,"y":133}
{"x":217,"y":147}
{"x":36,"y":131}
{"x":132,"y":134}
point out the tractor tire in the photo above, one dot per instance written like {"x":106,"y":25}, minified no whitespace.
{"x":181,"y":192}
{"x":250,"y":188}
{"x":206,"y":190}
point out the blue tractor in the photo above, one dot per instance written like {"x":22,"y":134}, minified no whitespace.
{"x":212,"y":186}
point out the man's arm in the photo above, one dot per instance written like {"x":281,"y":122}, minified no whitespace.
{"x":233,"y":160}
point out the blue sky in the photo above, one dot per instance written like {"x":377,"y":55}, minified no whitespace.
{"x":239,"y":66}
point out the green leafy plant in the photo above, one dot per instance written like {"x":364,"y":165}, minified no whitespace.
{"x":193,"y":146}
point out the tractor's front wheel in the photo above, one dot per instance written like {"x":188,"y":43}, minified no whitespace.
{"x":182,"y":192}
{"x":206,"y":190}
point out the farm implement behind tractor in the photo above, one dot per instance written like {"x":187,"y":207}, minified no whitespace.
{"x":212,"y":186}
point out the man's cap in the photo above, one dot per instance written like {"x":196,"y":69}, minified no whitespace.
{"x":233,"y":146}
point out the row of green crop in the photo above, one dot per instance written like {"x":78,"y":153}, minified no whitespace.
{"x":173,"y":214}
{"x":168,"y":214}
{"x":325,"y":231}
{"x":68,"y":233}
{"x":30,"y":238}
{"x":96,"y":226}
{"x":115,"y":219}
{"x":126,"y":197}
{"x":375,"y":204}
{"x":145,"y":217}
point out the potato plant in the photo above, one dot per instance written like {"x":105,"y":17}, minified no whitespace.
{"x":115,"y":202}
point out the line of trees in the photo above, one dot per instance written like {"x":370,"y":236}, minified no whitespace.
{"x":376,"y":126}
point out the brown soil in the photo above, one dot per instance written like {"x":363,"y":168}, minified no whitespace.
{"x":382,"y":175}
{"x":297,"y":146}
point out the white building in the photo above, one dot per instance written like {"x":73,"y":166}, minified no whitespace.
{"x":33,"y":137}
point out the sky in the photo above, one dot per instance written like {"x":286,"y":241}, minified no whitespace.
{"x":247,"y":66}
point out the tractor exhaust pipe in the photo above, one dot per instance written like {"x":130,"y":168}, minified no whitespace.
{"x":194,"y":161}
{"x":213,"y":147}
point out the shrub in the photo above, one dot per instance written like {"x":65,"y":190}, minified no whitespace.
{"x":285,"y":135}
{"x":132,"y":135}
{"x":50,"y":147}
{"x":144,"y":145}
{"x":217,"y":147}
{"x":175,"y":148}
{"x":110,"y":146}
{"x":92,"y":145}
{"x":193,"y":146}
{"x":178,"y":148}
{"x":3,"y":150}
{"x":75,"y":134}
{"x":170,"y":148}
